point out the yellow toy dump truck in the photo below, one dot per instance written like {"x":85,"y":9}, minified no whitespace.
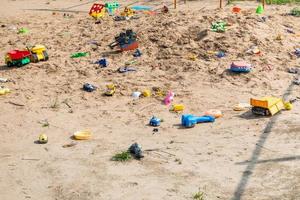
{"x":38,"y":53}
{"x":267,"y":106}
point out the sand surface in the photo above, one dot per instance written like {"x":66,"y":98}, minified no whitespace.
{"x":240,"y":156}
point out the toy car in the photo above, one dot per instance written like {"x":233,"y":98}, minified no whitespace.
{"x":17,"y":58}
{"x":267,"y":106}
{"x":155,"y":121}
{"x":240,"y":67}
{"x":189,"y":121}
{"x":38,"y":53}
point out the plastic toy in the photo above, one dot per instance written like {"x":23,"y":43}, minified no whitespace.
{"x":82,"y":135}
{"x":128,"y":12}
{"x":236,"y":9}
{"x":126,"y":41}
{"x":240,"y":67}
{"x":297,"y":52}
{"x":146,"y":93}
{"x":111,"y":7}
{"x":4,"y":91}
{"x":154,"y":121}
{"x":139,"y":7}
{"x":260,"y":9}
{"x":126,"y":69}
{"x":177,"y":108}
{"x":189,"y":121}
{"x":266,"y":106}
{"x":89,"y":87}
{"x":136,"y":95}
{"x":214,"y":113}
{"x":38,"y":53}
{"x":102,"y":62}
{"x":218,"y":26}
{"x":169,"y":98}
{"x":97,"y":11}
{"x":137,"y":53}
{"x":79,"y":54}
{"x":136,"y":150}
{"x":165,"y":9}
{"x":23,"y":30}
{"x":110,"y":90}
{"x":17,"y":58}
{"x":220,"y":54}
{"x":43,"y":139}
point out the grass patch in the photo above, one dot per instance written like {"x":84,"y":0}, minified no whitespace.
{"x":122,"y":157}
{"x":198,"y":196}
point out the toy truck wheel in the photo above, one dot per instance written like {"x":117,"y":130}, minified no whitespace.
{"x":260,"y":111}
{"x":46,"y":57}
{"x":34,"y":58}
{"x":19,"y":64}
{"x":9,"y":64}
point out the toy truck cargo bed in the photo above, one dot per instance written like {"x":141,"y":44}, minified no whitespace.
{"x":271,"y":104}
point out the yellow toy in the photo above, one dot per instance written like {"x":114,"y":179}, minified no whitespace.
{"x":267,"y":106}
{"x":38,"y":53}
{"x":128,"y":12}
{"x":97,"y":11}
{"x":82,"y":135}
{"x":43,"y":139}
{"x":4,"y":91}
{"x":110,"y":90}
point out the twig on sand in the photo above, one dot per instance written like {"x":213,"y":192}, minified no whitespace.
{"x":33,"y":159}
{"x":148,"y":150}
{"x":16,"y":104}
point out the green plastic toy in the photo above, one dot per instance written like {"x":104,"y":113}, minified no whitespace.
{"x":260,"y":9}
{"x":79,"y":54}
{"x":23,"y":30}
{"x":219,"y":26}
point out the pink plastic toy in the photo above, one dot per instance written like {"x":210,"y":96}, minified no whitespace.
{"x":168,"y":99}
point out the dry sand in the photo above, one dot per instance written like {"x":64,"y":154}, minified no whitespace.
{"x":239,"y":156}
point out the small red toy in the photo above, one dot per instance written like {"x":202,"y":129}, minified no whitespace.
{"x":97,"y":10}
{"x":17,"y":58}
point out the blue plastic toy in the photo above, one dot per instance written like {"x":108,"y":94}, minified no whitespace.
{"x":154,"y":121}
{"x":89,"y":87}
{"x":189,"y":121}
{"x":102,"y":62}
{"x":137,"y":53}
{"x":220,"y":54}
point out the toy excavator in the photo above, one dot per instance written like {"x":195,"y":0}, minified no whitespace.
{"x":126,"y":41}
{"x":128,"y":12}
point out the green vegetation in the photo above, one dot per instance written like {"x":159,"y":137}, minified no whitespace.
{"x":198,"y":196}
{"x":123,"y":156}
{"x":295,"y":12}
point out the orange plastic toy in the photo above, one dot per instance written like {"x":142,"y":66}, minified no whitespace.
{"x":236,"y":9}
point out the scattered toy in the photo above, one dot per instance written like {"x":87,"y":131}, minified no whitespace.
{"x":97,"y":11}
{"x":126,"y":41}
{"x":89,"y":87}
{"x":110,"y":90}
{"x":102,"y":62}
{"x":82,"y":135}
{"x":126,"y":69}
{"x":189,"y":121}
{"x":236,"y":9}
{"x":296,"y":81}
{"x":140,"y":7}
{"x":169,"y":98}
{"x":215,"y":113}
{"x":38,"y":53}
{"x":80,"y":54}
{"x":128,"y":12}
{"x":137,"y":53}
{"x":241,"y":106}
{"x":136,"y":95}
{"x":266,"y":106}
{"x":192,"y":57}
{"x":177,"y":108}
{"x":154,"y":121}
{"x":147,"y":93}
{"x":260,"y":9}
{"x":240,"y":67}
{"x":220,"y":54}
{"x":23,"y":31}
{"x":253,"y":50}
{"x":294,"y":70}
{"x":4,"y":91}
{"x":17,"y":58}
{"x":218,"y":26}
{"x":43,"y":139}
{"x":4,"y":80}
{"x":297,"y":52}
{"x":112,"y":7}
{"x":136,"y":150}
